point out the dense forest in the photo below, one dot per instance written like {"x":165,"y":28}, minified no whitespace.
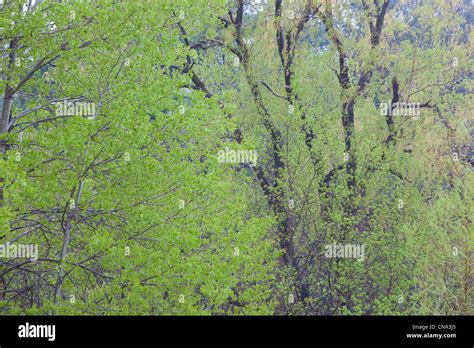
{"x":236,"y":157}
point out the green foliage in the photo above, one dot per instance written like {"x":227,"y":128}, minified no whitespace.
{"x":132,"y":211}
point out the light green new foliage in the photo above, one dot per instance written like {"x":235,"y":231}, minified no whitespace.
{"x":113,"y":117}
{"x":403,"y":208}
{"x":130,"y":212}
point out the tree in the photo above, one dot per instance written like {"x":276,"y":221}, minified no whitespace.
{"x":236,"y":157}
{"x":126,"y":215}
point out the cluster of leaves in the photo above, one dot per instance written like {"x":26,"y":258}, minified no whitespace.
{"x":127,"y":216}
{"x":133,"y":214}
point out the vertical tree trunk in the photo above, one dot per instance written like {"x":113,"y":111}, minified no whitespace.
{"x":7,"y":110}
{"x":66,"y":240}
